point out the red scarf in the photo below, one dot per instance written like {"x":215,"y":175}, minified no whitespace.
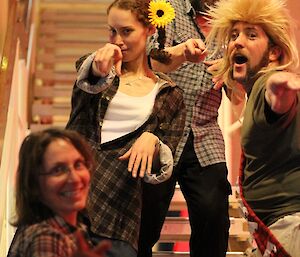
{"x":268,"y":245}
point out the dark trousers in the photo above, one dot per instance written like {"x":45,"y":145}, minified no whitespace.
{"x":206,"y":191}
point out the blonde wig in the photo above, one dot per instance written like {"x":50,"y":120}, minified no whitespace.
{"x":271,"y":15}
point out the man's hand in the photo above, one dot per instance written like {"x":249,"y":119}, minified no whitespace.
{"x":106,"y":57}
{"x":281,"y":90}
{"x":212,"y":67}
{"x":141,"y":154}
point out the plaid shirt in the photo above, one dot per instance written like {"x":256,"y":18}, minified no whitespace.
{"x":201,"y":100}
{"x":52,"y":237}
{"x":114,"y":204}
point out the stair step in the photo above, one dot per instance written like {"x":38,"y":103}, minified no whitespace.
{"x":82,"y":6}
{"x":178,"y":229}
{"x":64,"y":18}
{"x":53,"y":91}
{"x":178,"y":203}
{"x":41,"y":109}
{"x":52,"y":43}
{"x":49,"y":29}
{"x":187,"y":254}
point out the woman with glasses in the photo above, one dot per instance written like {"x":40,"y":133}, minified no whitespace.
{"x":52,"y":184}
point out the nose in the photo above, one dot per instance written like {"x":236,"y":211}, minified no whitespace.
{"x":240,"y":41}
{"x":73,"y":176}
{"x":119,"y":40}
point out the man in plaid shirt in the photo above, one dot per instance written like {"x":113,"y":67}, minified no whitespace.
{"x":200,"y":166}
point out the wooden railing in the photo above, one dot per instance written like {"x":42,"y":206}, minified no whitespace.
{"x":14,"y":77}
{"x":19,"y":17}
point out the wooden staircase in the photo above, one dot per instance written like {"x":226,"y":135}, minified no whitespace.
{"x":67,"y":30}
{"x":176,"y":229}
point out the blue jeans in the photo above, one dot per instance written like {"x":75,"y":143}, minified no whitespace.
{"x":119,"y":248}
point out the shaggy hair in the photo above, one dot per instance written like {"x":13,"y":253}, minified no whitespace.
{"x":271,"y":15}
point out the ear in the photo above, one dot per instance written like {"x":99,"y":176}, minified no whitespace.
{"x":151,"y":30}
{"x":275,"y":53}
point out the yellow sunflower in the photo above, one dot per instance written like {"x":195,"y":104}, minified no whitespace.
{"x":160,"y":13}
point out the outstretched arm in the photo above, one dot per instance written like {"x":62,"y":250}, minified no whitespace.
{"x":281,"y":91}
{"x":192,"y":50}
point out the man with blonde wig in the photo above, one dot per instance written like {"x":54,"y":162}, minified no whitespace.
{"x":260,"y":54}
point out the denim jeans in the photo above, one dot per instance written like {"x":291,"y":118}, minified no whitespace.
{"x":119,"y":248}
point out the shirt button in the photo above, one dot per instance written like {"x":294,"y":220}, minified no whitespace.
{"x":163,"y":126}
{"x":85,"y":83}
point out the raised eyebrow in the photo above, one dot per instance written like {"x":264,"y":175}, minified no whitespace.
{"x":234,"y":30}
{"x":81,"y":159}
{"x":251,"y":28}
{"x":56,"y":164}
{"x":126,"y":28}
{"x":110,"y":27}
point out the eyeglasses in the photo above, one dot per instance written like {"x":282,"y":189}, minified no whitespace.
{"x":61,"y":169}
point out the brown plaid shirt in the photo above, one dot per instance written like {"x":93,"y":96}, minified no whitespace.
{"x":201,"y":100}
{"x":50,"y":238}
{"x":114,"y":204}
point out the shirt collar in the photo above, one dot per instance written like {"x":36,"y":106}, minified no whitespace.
{"x":61,"y":224}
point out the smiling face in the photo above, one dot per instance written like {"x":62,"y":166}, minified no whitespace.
{"x":64,"y":182}
{"x":128,"y":33}
{"x":249,"y":52}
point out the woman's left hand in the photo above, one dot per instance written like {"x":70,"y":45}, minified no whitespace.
{"x":141,"y":154}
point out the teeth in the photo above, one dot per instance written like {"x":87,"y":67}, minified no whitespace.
{"x":71,"y":193}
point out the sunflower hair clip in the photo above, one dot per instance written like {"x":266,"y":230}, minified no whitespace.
{"x":161,"y":13}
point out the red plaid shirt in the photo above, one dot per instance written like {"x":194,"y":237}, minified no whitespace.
{"x":52,"y":237}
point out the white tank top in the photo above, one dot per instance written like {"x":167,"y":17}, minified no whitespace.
{"x":126,"y":113}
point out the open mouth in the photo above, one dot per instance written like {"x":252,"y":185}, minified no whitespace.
{"x":240,"y":59}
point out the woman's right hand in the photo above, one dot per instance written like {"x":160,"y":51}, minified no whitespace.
{"x":106,"y":57}
{"x":194,"y":50}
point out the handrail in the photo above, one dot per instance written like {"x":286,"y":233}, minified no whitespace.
{"x":17,"y":27}
{"x":14,"y":77}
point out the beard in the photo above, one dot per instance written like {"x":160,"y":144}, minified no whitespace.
{"x":252,"y":73}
